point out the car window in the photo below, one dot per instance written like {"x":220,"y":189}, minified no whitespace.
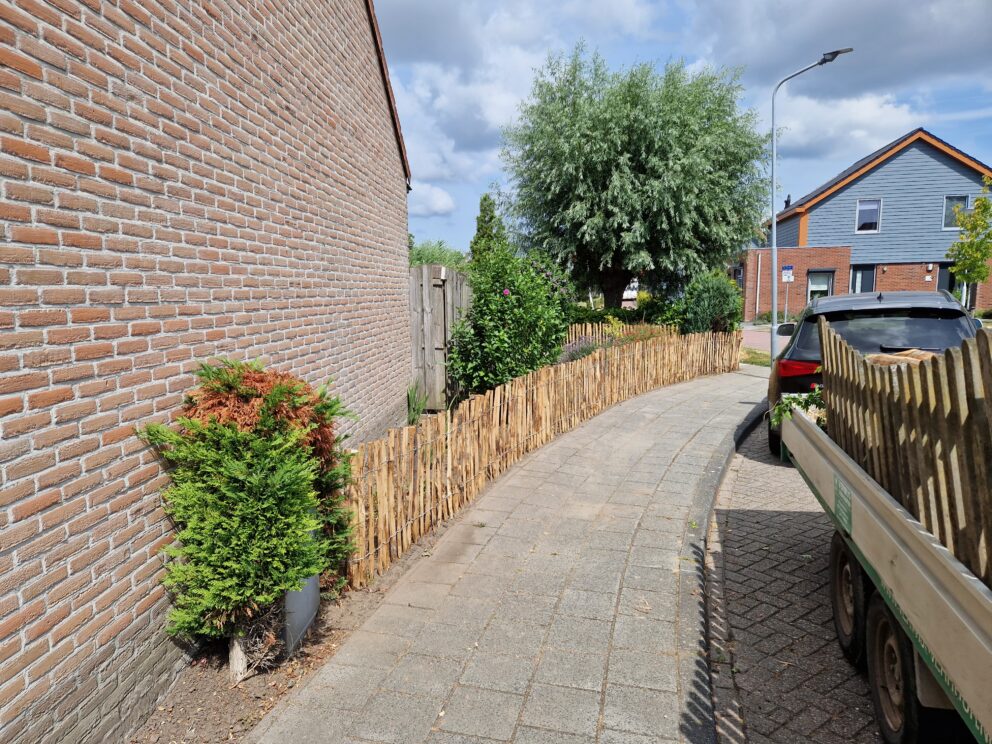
{"x":887,"y":330}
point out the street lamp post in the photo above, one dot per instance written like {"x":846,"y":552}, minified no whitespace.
{"x":827,"y":57}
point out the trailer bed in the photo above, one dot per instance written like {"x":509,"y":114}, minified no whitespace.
{"x":944,"y":608}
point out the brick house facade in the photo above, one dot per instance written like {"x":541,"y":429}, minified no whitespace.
{"x":835,"y":260}
{"x":885,"y":223}
{"x":180,"y":181}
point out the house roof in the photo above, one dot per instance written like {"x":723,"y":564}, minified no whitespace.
{"x":384,"y":69}
{"x":875,"y":159}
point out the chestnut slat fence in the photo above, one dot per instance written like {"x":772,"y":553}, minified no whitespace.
{"x":924,"y":432}
{"x":600,"y":333}
{"x":416,"y":477}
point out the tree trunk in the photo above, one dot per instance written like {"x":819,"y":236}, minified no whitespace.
{"x":613,"y":285}
{"x":237,"y":659}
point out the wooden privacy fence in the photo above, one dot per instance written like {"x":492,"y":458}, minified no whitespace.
{"x":923,"y":431}
{"x":601,"y":333}
{"x":418,"y":476}
{"x":439,"y":296}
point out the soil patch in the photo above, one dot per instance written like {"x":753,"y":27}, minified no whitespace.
{"x":203,"y":707}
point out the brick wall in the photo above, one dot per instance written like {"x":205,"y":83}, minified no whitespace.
{"x":181,"y":180}
{"x":888,"y":277}
{"x":757,"y":301}
{"x":909,"y":276}
{"x":983,"y":299}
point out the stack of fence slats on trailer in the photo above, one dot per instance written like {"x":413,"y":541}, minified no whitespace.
{"x":924,"y":433}
{"x":416,"y":477}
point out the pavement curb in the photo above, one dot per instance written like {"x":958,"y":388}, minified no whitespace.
{"x":695,"y":671}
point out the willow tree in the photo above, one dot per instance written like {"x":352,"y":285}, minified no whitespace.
{"x":635,"y":173}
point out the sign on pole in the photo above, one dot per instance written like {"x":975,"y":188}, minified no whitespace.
{"x":787,"y":274}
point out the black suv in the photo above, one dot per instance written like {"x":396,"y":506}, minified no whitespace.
{"x":871,"y":323}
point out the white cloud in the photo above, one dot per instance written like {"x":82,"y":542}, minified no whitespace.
{"x":461,"y":67}
{"x":898,"y":45}
{"x":633,"y":17}
{"x":426,"y":200}
{"x":846,"y":128}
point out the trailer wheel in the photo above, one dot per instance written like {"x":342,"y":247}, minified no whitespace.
{"x":774,"y":441}
{"x":891,"y":676}
{"x":848,"y":598}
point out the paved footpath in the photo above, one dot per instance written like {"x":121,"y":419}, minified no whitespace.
{"x":792,"y":681}
{"x":563,"y":607}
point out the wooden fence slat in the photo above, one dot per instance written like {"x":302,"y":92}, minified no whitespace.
{"x":924,"y":432}
{"x":959,"y":421}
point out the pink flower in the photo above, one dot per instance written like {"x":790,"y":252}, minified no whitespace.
{"x":506,"y":293}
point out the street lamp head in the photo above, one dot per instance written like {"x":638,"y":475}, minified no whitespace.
{"x":831,"y":56}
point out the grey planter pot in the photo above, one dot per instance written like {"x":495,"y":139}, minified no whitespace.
{"x":301,"y":609}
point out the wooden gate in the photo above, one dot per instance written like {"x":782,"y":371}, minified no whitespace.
{"x":439,"y":296}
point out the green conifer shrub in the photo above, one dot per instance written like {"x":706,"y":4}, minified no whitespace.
{"x":256,"y":496}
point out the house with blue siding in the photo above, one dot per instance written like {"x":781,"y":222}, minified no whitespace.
{"x":884,"y":223}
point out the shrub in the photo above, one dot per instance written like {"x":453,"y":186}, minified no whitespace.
{"x":656,"y":310}
{"x":437,"y":252}
{"x":517,"y":321}
{"x":256,"y":496}
{"x":577,"y":349}
{"x":766,"y":317}
{"x":245,"y":507}
{"x":712,"y":302}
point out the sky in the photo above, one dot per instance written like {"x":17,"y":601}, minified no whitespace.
{"x":461,"y":68}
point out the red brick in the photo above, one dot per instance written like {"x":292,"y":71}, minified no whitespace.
{"x":35,"y":504}
{"x":24,"y":424}
{"x":16,"y":254}
{"x":116,"y":174}
{"x":35,"y":235}
{"x":90,"y":315}
{"x":43,"y":318}
{"x":16,"y":61}
{"x":26,"y":381}
{"x":76,"y":164}
{"x":40,"y":276}
{"x":15,"y":212}
{"x":10,"y":405}
{"x":46,"y":398}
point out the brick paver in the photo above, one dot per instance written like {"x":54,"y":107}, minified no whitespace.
{"x":792,"y":681}
{"x":561,"y":606}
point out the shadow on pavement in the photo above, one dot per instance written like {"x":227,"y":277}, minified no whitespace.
{"x":792,"y":681}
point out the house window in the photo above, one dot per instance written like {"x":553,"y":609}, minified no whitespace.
{"x":869,"y":216}
{"x":950,"y":217}
{"x":819,"y":284}
{"x":862,"y":278}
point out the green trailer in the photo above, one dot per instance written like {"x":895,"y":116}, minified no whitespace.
{"x":903,"y":606}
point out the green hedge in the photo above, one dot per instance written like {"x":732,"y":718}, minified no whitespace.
{"x":517,"y":321}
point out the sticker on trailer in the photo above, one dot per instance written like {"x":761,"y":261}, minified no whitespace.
{"x":842,"y":503}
